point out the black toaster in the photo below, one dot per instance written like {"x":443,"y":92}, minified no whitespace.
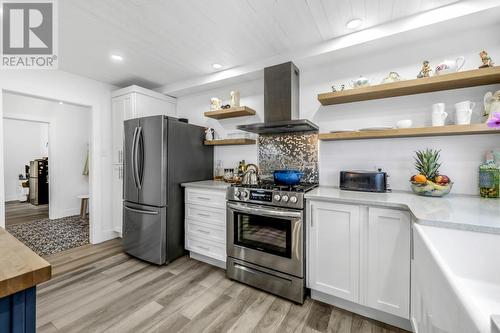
{"x":366,"y":181}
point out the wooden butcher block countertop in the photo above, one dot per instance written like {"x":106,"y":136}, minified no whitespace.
{"x":20,"y":267}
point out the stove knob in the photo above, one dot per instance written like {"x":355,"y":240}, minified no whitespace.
{"x":237,"y":193}
{"x":293,"y":199}
{"x":284,"y":198}
{"x":244,"y":195}
{"x":277,"y":197}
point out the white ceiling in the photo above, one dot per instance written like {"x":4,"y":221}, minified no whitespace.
{"x":165,"y":41}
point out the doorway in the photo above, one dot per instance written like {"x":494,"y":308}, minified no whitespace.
{"x":46,"y":172}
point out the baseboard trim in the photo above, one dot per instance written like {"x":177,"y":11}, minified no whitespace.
{"x":63,"y":213}
{"x":208,"y":260}
{"x":362,"y":310}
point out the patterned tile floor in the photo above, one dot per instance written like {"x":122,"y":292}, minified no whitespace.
{"x":50,"y":236}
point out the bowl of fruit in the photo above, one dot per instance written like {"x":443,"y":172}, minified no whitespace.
{"x":428,"y":182}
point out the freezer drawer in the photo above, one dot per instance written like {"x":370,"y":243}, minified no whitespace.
{"x":144,"y":232}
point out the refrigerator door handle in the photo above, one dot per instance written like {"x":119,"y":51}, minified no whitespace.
{"x":133,"y":157}
{"x":139,"y":169}
{"x":148,"y":212}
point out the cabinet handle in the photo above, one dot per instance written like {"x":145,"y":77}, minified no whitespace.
{"x":203,"y":215}
{"x":203,"y":198}
{"x":204,"y":231}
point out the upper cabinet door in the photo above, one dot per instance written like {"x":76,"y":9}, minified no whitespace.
{"x":122,"y":109}
{"x":333,"y":246}
{"x":388,"y":258}
{"x":151,"y":106}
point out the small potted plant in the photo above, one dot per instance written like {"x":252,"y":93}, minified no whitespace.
{"x":428,"y":181}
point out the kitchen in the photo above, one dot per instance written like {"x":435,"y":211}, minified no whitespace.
{"x":317,"y":257}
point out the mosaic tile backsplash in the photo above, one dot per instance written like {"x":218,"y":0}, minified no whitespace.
{"x":289,"y":151}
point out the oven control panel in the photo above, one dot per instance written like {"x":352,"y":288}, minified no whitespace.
{"x":270,"y":197}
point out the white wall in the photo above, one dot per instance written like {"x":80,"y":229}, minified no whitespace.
{"x":461,"y":155}
{"x":63,"y":86}
{"x":252,"y":95}
{"x":23,"y":142}
{"x":69,"y":135}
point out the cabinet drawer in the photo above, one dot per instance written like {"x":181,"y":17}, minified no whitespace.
{"x":206,"y":247}
{"x":206,"y":231}
{"x":216,"y":199}
{"x":216,"y":216}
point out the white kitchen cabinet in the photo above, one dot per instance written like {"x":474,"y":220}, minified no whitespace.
{"x":117,"y":195}
{"x":128,"y":103}
{"x":333,"y":238}
{"x":136,"y":102}
{"x":205,"y":225}
{"x":388,"y":261}
{"x":360,"y":254}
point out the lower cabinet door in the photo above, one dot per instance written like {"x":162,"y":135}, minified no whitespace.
{"x":388,"y":261}
{"x":117,"y":201}
{"x":333,"y":245}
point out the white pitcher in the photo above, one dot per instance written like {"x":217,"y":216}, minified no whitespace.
{"x":439,"y":115}
{"x":464,"y":112}
{"x":450,"y":66}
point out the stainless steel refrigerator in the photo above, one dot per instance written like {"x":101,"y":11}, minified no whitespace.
{"x":160,"y":153}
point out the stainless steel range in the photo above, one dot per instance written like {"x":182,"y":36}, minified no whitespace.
{"x":265,"y":237}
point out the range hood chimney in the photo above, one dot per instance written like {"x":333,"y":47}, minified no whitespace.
{"x":281,"y":103}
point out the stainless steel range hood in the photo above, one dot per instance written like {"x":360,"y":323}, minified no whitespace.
{"x":281,"y":103}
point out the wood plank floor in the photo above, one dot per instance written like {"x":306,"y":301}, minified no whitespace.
{"x":22,"y":212}
{"x":98,"y":288}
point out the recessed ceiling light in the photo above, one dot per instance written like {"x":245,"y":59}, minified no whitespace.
{"x":116,"y":57}
{"x":217,"y":66}
{"x":354,"y":23}
{"x":61,"y":103}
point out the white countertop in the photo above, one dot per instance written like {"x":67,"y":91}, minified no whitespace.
{"x":452,"y":211}
{"x":208,"y":184}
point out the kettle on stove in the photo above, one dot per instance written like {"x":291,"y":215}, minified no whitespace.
{"x":251,"y":176}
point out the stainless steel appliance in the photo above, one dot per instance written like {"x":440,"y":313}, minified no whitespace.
{"x":39,"y":182}
{"x":265,"y":238}
{"x":366,"y":181}
{"x":160,"y":153}
{"x":281,"y":102}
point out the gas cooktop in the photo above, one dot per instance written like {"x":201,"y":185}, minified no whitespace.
{"x":271,"y":186}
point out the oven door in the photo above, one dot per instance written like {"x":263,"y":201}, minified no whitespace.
{"x":267,"y":236}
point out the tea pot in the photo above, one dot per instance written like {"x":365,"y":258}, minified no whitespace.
{"x":360,"y":82}
{"x":491,"y":103}
{"x":251,"y":176}
{"x":392,"y":77}
{"x":450,"y":66}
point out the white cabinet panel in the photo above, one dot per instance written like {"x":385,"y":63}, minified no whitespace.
{"x":206,"y":215}
{"x":206,"y":247}
{"x":208,"y":198}
{"x":151,"y":106}
{"x":388,"y":259}
{"x":117,"y":201}
{"x":333,"y":242}
{"x":206,"y":231}
{"x":121,"y":110}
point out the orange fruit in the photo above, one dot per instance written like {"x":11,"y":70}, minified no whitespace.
{"x":420,"y":179}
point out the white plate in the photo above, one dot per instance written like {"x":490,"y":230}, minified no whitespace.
{"x":375,"y":128}
{"x":343,"y":130}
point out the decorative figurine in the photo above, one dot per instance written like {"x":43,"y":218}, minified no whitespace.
{"x":485,"y":59}
{"x":215,"y":103}
{"x":235,"y":99}
{"x":209,"y":134}
{"x":425,"y":71}
{"x":342,"y":87}
{"x":360,"y":82}
{"x":392,"y":77}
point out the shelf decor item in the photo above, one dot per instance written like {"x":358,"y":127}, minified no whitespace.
{"x":428,"y":182}
{"x":450,"y":66}
{"x":234,"y":100}
{"x":489,"y":178}
{"x":360,"y":82}
{"x":425,"y":71}
{"x":486,"y":60}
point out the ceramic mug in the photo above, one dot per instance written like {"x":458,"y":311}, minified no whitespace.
{"x":439,"y":115}
{"x":463,"y":112}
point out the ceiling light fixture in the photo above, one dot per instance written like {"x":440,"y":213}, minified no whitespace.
{"x":116,"y":57}
{"x":354,"y":23}
{"x":61,"y":103}
{"x":217,"y":66}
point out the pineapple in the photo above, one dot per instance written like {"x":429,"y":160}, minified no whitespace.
{"x":427,"y":163}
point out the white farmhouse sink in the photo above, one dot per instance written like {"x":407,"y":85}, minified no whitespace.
{"x":470,"y":263}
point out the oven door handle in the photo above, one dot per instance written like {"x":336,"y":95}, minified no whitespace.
{"x":264,"y":211}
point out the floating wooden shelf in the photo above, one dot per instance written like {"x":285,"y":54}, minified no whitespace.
{"x":411,"y":132}
{"x":230,"y":113}
{"x":227,"y":142}
{"x":472,"y":78}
